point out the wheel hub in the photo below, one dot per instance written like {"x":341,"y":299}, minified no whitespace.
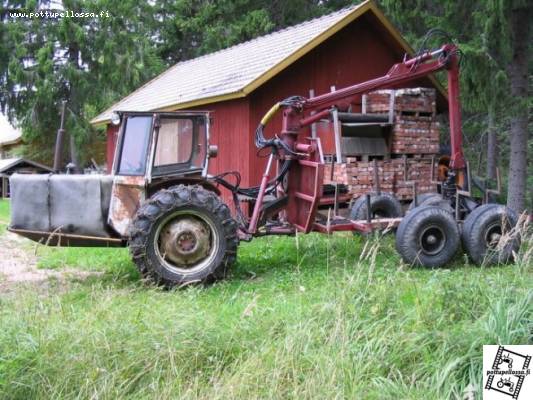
{"x":432,"y":240}
{"x":185,"y":241}
{"x":493,"y":235}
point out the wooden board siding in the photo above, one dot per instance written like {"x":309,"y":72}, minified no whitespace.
{"x":231,"y":133}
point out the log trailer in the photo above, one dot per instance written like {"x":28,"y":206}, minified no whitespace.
{"x":161,"y":202}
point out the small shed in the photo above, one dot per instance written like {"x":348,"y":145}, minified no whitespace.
{"x":10,"y":166}
{"x":240,"y":83}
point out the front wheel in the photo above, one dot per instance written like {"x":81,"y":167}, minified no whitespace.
{"x":183,"y":235}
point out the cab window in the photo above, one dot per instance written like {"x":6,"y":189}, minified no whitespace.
{"x":174,"y":142}
{"x":135,"y":142}
{"x":181,"y":145}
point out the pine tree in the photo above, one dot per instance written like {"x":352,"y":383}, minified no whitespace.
{"x":87,"y":61}
{"x":494,"y":36}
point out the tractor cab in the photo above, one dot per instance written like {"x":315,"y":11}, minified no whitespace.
{"x":158,"y":145}
{"x":156,"y":150}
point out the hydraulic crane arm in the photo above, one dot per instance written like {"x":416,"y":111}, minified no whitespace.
{"x":398,"y":75}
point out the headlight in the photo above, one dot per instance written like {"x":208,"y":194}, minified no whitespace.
{"x":115,"y":118}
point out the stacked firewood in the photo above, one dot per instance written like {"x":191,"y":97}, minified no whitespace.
{"x":414,"y":145}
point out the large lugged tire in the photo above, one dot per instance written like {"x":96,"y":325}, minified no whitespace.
{"x":484,"y":228}
{"x":427,"y":199}
{"x":427,"y":236}
{"x":182,"y":235}
{"x":383,"y":205}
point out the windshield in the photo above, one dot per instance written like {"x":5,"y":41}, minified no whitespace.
{"x":135,"y":145}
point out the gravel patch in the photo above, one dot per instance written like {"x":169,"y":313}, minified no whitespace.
{"x":18,"y":265}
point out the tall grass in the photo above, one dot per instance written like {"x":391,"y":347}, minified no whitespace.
{"x":305,"y":317}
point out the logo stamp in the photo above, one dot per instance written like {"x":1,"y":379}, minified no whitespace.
{"x":507,"y":373}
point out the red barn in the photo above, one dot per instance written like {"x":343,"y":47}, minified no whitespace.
{"x":239,"y":84}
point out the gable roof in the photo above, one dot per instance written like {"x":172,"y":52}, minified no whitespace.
{"x":8,"y":163}
{"x":236,"y":71}
{"x":8,"y":134}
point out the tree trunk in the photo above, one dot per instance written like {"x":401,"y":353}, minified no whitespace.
{"x":492,"y":146}
{"x":518,"y":67}
{"x":74,"y":59}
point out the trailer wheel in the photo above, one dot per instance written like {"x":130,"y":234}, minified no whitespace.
{"x":383,"y":205}
{"x":182,"y":235}
{"x":433,"y":199}
{"x":483,"y":230}
{"x":428,"y":236}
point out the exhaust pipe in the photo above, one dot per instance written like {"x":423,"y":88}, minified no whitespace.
{"x":59,"y":140}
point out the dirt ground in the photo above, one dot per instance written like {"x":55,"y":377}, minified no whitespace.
{"x":18,"y":265}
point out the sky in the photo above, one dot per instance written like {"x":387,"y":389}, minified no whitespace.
{"x":7,"y":132}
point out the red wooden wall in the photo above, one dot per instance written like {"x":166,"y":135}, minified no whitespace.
{"x":112,"y":135}
{"x":230,"y":132}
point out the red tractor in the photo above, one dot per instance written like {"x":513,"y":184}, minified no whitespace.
{"x":161,"y":202}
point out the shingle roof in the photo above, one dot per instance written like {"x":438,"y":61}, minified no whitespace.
{"x":238,"y":70}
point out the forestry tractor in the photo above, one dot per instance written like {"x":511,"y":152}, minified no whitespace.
{"x":161,"y":202}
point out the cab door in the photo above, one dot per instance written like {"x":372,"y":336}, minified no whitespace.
{"x":130,"y":170}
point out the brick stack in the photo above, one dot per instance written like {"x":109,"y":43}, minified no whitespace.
{"x":415,"y":130}
{"x":415,"y":135}
{"x":421,"y":100}
{"x":413,"y":145}
{"x":360,"y":176}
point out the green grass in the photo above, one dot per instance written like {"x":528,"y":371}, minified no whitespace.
{"x":305,"y":317}
{"x":4,"y":215}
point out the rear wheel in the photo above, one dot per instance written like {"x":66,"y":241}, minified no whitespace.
{"x":433,"y":199}
{"x":428,"y":236}
{"x":381,"y":206}
{"x":487,"y":235}
{"x":182,"y":235}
